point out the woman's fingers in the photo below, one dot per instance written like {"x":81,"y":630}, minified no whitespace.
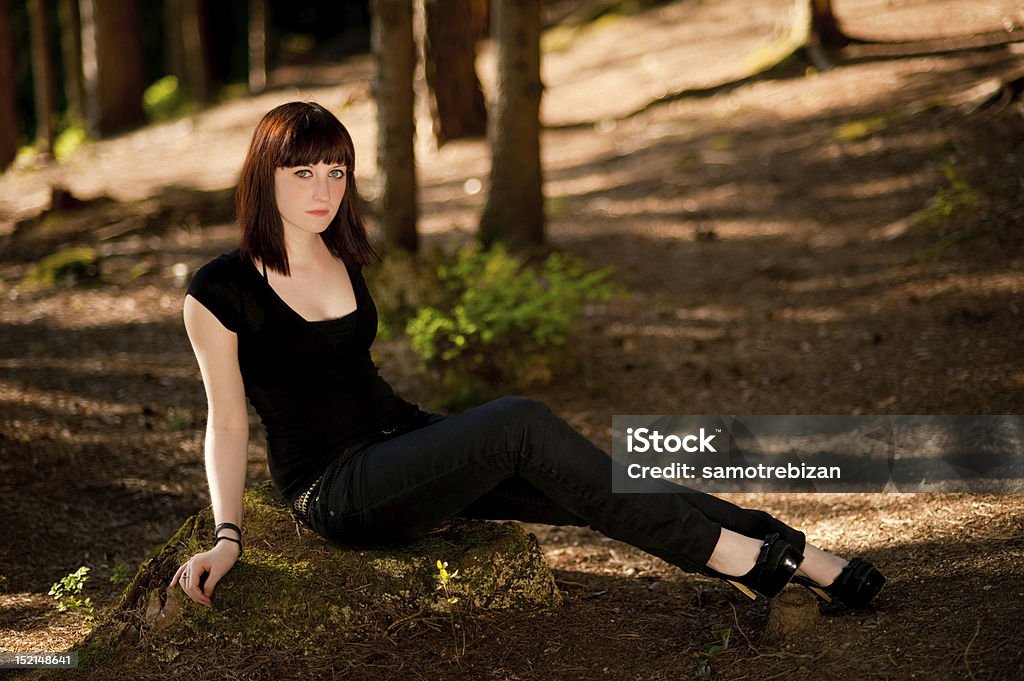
{"x":178,"y":574}
{"x":188,"y":577}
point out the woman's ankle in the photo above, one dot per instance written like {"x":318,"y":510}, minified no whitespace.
{"x":821,"y":567}
{"x":735,"y":554}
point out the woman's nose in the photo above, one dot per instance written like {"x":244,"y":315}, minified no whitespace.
{"x":321,"y":189}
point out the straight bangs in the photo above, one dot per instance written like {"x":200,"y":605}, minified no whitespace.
{"x":297,"y":134}
{"x":314,"y":139}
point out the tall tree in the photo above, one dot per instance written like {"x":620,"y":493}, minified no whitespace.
{"x":452,"y":29}
{"x":514,"y":212}
{"x":71,"y":49}
{"x":188,"y":46}
{"x":257,"y":45}
{"x":111,"y":65}
{"x":824,"y":25}
{"x":43,"y":80}
{"x":394,"y":52}
{"x":9,"y":129}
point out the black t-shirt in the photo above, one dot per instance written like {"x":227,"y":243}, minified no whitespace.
{"x":313,"y":384}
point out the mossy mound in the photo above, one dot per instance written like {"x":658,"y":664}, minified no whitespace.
{"x":293,"y":594}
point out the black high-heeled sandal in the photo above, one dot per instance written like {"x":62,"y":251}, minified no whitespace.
{"x":776,"y":564}
{"x":856,"y":585}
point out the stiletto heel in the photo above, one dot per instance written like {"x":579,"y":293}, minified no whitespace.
{"x":776,"y":564}
{"x":856,"y":585}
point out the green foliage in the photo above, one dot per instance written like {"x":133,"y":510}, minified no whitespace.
{"x":68,"y":592}
{"x":164,"y":99}
{"x":503,"y":323}
{"x":444,"y":578}
{"x":858,"y":130}
{"x":947,"y":208}
{"x":721,"y":642}
{"x":70,"y":267}
{"x":120,"y":574}
{"x":68,"y":141}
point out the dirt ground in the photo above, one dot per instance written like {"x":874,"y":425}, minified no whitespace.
{"x":783,"y":251}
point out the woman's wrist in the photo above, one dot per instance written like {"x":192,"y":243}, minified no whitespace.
{"x":218,"y":537}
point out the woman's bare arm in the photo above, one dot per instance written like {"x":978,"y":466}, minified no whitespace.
{"x":227,"y":437}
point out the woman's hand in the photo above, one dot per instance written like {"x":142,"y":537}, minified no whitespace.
{"x":215,"y":563}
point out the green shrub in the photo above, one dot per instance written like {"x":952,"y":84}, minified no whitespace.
{"x":68,"y":592}
{"x":164,"y":99}
{"x":504,"y":324}
{"x":69,"y":267}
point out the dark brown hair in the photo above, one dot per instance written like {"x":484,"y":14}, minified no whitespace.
{"x":297,"y":134}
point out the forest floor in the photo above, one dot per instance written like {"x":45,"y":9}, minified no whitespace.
{"x":838,"y":242}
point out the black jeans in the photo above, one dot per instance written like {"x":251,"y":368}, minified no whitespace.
{"x":513,"y":459}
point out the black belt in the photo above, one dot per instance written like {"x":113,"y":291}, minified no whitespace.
{"x":301,"y":504}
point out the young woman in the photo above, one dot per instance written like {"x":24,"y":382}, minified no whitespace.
{"x":287,"y":322}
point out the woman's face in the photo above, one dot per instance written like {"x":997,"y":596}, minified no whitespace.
{"x":308,"y":197}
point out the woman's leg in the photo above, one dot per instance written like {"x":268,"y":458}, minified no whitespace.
{"x":395,"y":490}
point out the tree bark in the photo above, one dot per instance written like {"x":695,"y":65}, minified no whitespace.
{"x":452,"y":30}
{"x":111,"y":65}
{"x":825,"y":27}
{"x":192,"y":67}
{"x":395,"y":56}
{"x":71,"y":50}
{"x":9,"y":128}
{"x":42,"y":75}
{"x":514,"y":213}
{"x":257,"y":45}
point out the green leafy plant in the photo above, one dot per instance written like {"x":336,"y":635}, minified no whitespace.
{"x":504,"y":323}
{"x":68,"y":141}
{"x":946,"y":210}
{"x":720,"y":643}
{"x":120,"y":574}
{"x":444,"y":580}
{"x":70,"y":266}
{"x":68,"y":593}
{"x":165,"y":99}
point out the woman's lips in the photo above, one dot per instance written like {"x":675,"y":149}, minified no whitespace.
{"x":322,"y":211}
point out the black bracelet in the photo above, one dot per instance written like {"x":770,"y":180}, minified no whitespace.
{"x":237,"y":541}
{"x":227,"y":526}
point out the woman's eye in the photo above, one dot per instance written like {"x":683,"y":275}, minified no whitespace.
{"x":303,"y":173}
{"x":337,"y":174}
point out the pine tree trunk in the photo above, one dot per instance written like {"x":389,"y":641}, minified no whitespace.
{"x":452,"y":30}
{"x":111,"y":65}
{"x":395,"y":56}
{"x":825,"y":27}
{"x":257,"y":45}
{"x":188,"y":47}
{"x":8,"y":100}
{"x":515,"y":204}
{"x":71,"y":50}
{"x":42,"y":75}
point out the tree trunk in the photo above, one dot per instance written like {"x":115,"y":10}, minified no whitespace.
{"x":515,"y":203}
{"x":71,"y":50}
{"x":8,"y":91}
{"x":825,"y":27}
{"x":395,"y":55}
{"x":257,"y":45}
{"x":452,"y":30}
{"x":42,"y":75}
{"x":188,"y":47}
{"x":111,"y":65}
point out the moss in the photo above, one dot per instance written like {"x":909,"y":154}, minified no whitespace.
{"x":293,"y":591}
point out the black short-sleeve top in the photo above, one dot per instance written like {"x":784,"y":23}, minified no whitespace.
{"x":314,"y":385}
